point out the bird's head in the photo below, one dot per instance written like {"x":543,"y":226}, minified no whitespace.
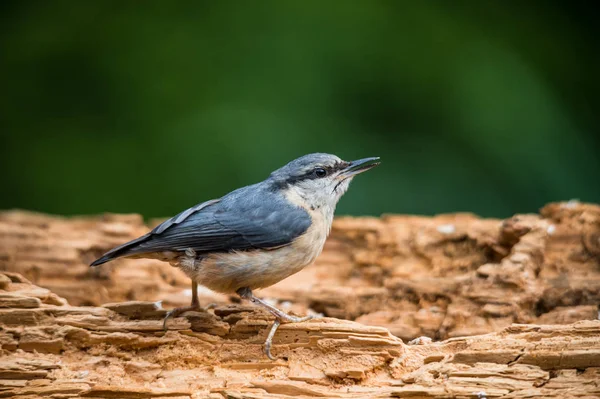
{"x":319,"y":180}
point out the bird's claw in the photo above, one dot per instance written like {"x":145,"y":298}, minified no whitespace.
{"x":285,"y":319}
{"x":294,"y":319}
{"x":178,"y":311}
{"x":269,"y":340}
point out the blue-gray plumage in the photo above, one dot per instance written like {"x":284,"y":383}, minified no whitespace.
{"x":255,"y":236}
{"x":252,"y":217}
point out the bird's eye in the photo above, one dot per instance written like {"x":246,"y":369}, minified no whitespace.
{"x":320,"y":172}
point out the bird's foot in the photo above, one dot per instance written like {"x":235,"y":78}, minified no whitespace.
{"x":286,"y":318}
{"x":281,"y":317}
{"x":179,"y":311}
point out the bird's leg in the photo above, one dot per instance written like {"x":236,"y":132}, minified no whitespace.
{"x":195,"y":305}
{"x":280,"y":316}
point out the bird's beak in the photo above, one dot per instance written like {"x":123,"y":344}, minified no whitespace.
{"x":359,"y":166}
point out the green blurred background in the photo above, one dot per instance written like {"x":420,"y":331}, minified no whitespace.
{"x":152,"y":107}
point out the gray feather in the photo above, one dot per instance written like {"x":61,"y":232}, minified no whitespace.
{"x":182,"y":216}
{"x":252,"y":217}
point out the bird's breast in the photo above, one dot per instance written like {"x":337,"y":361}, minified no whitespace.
{"x":227,"y":272}
{"x":312,"y":241}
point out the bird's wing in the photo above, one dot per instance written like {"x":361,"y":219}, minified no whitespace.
{"x":182,"y":216}
{"x":249,"y":218}
{"x":245,"y":219}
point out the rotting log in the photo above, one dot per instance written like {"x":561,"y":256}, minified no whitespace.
{"x":51,"y":348}
{"x":531,"y":281}
{"x":445,"y":276}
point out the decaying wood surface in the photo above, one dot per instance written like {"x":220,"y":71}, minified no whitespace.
{"x":441,"y":277}
{"x":50,"y":348}
{"x":532,"y":281}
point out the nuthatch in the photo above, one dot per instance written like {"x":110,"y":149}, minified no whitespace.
{"x":254,"y":236}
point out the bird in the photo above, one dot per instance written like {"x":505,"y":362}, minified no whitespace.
{"x":254,"y":236}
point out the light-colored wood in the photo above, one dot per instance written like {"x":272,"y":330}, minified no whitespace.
{"x":532,"y":282}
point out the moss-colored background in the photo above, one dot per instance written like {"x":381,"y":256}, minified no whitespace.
{"x":151,"y":107}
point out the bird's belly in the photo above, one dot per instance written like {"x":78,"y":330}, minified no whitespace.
{"x":227,"y":272}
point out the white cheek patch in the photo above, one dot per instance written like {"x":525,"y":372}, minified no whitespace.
{"x":321,"y":194}
{"x":342,"y":187}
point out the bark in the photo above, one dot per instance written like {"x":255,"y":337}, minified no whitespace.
{"x":532,"y":281}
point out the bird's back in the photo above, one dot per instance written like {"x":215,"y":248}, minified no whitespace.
{"x":252,"y":217}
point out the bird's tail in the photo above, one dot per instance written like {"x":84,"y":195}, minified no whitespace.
{"x":122,"y":250}
{"x":103,"y":259}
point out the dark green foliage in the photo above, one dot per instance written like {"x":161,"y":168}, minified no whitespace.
{"x":152,"y":107}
